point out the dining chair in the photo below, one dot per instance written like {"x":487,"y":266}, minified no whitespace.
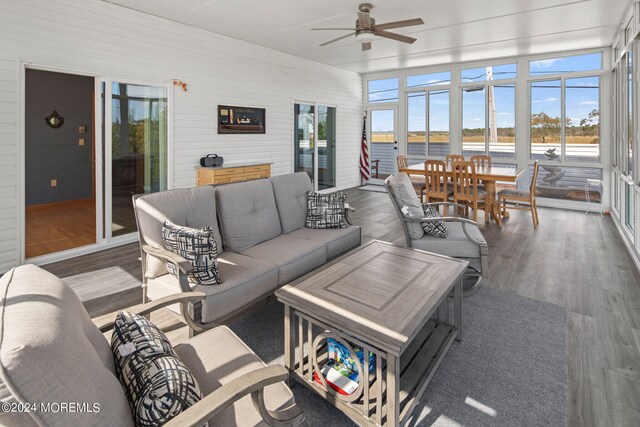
{"x":466,"y":191}
{"x":521,"y":199}
{"x":437,"y":185}
{"x":481,"y":162}
{"x":418,"y":181}
{"x":453,"y":158}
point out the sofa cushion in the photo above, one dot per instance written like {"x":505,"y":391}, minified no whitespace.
{"x":248,"y":214}
{"x":293,"y":256}
{"x":158,"y":384}
{"x":337,"y":240}
{"x":190,"y":207}
{"x":50,"y":351}
{"x":245,"y":280}
{"x":197,"y":246}
{"x":407,"y":200}
{"x":290,"y":191}
{"x":214,"y":369}
{"x":326,"y":210}
{"x":455,"y":245}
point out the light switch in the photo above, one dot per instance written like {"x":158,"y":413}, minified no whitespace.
{"x":81,"y":129}
{"x":54,"y":182}
{"x":81,"y":142}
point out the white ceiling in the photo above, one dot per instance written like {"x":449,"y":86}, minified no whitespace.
{"x":455,"y":30}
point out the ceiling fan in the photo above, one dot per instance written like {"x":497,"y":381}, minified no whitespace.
{"x":366,"y":28}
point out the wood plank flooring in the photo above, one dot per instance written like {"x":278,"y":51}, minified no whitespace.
{"x":572,"y":259}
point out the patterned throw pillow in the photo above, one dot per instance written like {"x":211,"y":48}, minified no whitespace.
{"x":326,"y":210}
{"x":197,"y":246}
{"x":433,"y":228}
{"x":157,"y":383}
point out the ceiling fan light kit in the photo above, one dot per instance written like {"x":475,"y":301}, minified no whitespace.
{"x":367,"y":30}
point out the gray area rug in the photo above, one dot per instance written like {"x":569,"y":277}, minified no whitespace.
{"x":509,"y":370}
{"x":374,"y":188}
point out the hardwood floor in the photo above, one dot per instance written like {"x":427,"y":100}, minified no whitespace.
{"x":59,"y":226}
{"x":574,"y":260}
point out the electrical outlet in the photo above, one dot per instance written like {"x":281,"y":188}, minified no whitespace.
{"x":81,"y":142}
{"x":81,"y":129}
{"x":54,"y":182}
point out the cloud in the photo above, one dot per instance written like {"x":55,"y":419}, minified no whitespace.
{"x":544,"y":63}
{"x":589,"y":103}
{"x":505,"y":114}
{"x":546,"y":100}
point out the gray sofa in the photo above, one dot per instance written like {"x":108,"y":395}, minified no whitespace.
{"x":52,"y":354}
{"x":259,"y":227}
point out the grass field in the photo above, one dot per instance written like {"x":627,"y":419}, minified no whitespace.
{"x":444,"y":137}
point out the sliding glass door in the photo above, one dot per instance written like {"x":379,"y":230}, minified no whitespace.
{"x":135,"y":150}
{"x":314,"y":144}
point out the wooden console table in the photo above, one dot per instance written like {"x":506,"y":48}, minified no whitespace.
{"x":391,"y":304}
{"x":232,"y":173}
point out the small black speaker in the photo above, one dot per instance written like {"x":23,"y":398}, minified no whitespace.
{"x":211,"y":160}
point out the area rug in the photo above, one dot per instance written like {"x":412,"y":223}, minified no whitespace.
{"x":374,"y":188}
{"x":509,"y":370}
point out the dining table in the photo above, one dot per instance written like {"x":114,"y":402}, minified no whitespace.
{"x":489,"y":175}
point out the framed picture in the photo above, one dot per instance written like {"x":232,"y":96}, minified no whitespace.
{"x":240,"y":119}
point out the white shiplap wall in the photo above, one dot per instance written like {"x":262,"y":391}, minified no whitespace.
{"x":98,"y":38}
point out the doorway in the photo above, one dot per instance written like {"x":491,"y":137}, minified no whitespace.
{"x":383,"y":144}
{"x":315,"y":144}
{"x":60,"y":190}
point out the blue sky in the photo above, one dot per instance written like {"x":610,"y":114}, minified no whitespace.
{"x":582,"y":95}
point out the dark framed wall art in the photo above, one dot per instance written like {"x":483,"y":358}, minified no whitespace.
{"x":240,"y":119}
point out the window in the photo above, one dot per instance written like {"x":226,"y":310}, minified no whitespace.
{"x":428,"y":124}
{"x":438,"y":123}
{"x":473,"y":121}
{"x":629,"y":113}
{"x":546,"y":118}
{"x":425,"y":80}
{"x":630,"y":204}
{"x":385,"y":90}
{"x":416,"y":124}
{"x":569,"y":183}
{"x":567,"y":64}
{"x":496,"y":72}
{"x":582,"y":106}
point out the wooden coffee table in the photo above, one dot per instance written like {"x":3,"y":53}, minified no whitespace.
{"x":389,"y":302}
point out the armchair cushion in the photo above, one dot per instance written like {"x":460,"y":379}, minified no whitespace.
{"x":433,"y":228}
{"x":326,"y":210}
{"x":214,"y":369}
{"x":456,"y":244}
{"x":158,"y":384}
{"x":197,"y":246}
{"x":407,"y":200}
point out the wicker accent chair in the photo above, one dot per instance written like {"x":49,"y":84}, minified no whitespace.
{"x":464,"y":239}
{"x":416,"y":180}
{"x":521,"y":199}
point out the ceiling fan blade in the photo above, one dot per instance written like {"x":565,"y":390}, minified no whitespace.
{"x":364,"y":19}
{"x":332,"y":29}
{"x":399,"y":24}
{"x":339,"y":38}
{"x":366,"y":46}
{"x":394,"y":36}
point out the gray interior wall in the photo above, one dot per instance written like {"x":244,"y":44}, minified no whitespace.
{"x":56,"y":153}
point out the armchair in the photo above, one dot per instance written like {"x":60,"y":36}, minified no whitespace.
{"x":464,"y":239}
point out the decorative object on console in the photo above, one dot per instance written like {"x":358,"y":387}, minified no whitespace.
{"x":326,"y":210}
{"x":197,"y":246}
{"x":182,"y":85}
{"x":433,"y":228}
{"x":211,"y":160}
{"x":54,"y":120}
{"x":240,"y":119}
{"x":158,"y":385}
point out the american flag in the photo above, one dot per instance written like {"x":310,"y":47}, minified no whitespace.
{"x":364,"y":153}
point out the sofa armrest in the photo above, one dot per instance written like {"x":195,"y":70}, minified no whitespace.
{"x":181,"y":264}
{"x":106,"y":321}
{"x":347,"y":210}
{"x":250,"y":383}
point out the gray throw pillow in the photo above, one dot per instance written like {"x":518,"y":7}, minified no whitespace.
{"x":433,"y":228}
{"x":197,"y":246}
{"x":405,"y":196}
{"x":158,"y":385}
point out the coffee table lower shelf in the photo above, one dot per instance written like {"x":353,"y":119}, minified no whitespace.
{"x":407,"y":380}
